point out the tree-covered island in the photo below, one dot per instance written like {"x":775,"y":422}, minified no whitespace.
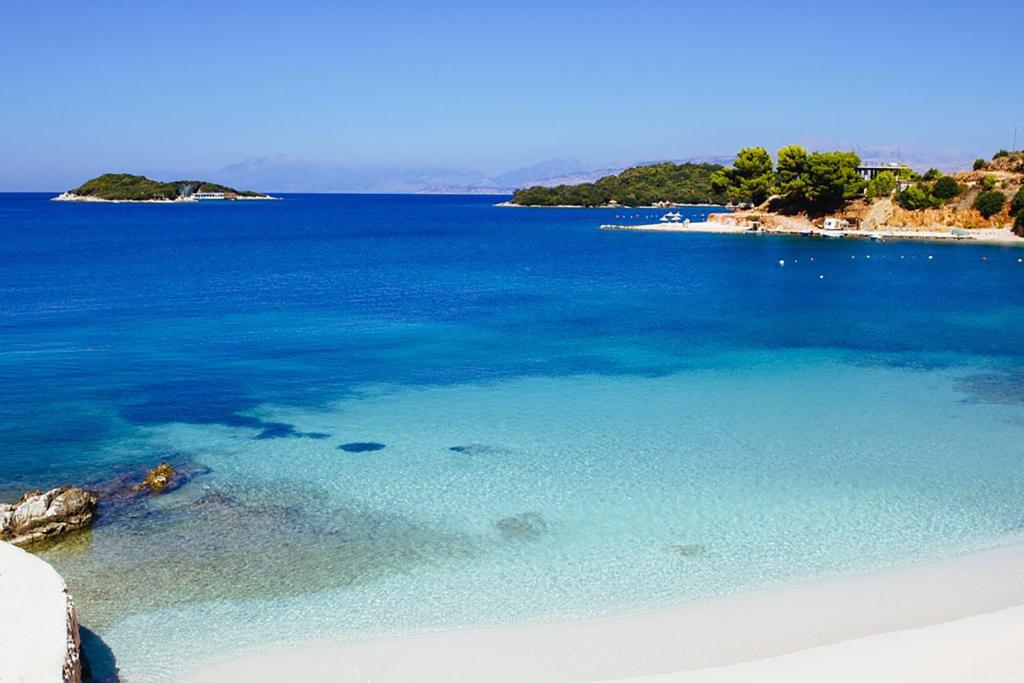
{"x":125,"y":187}
{"x":687,"y":183}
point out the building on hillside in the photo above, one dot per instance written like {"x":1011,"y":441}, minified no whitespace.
{"x":872,"y":171}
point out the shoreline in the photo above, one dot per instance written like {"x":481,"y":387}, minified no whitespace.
{"x":1001,"y":236}
{"x":511,"y":205}
{"x":828,"y":625}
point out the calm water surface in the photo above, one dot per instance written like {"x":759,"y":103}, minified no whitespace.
{"x":424,"y":412}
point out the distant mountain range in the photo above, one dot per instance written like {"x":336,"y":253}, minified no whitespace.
{"x":294,"y":174}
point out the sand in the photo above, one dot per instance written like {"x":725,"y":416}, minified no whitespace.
{"x":918,"y":623}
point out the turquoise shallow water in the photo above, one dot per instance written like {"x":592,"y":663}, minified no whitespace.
{"x":567,"y":422}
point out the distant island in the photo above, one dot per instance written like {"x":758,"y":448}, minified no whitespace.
{"x":125,"y":187}
{"x":664,"y":184}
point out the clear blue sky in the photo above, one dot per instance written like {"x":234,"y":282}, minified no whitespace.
{"x":87,"y":87}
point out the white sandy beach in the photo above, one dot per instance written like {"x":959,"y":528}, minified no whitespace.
{"x":1003,"y":236}
{"x":959,"y":619}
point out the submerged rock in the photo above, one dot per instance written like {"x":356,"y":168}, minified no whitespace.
{"x":157,"y":479}
{"x":40,"y":516}
{"x":137,"y":483}
{"x":361,"y":446}
{"x":524,"y":525}
{"x":687,"y":549}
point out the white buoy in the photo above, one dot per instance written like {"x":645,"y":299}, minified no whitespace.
{"x":821,"y":277}
{"x":930,"y":257}
{"x":782,"y":262}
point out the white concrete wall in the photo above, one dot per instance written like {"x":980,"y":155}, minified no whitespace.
{"x":38,"y":627}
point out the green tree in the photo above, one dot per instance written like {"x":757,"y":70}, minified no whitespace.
{"x":1000,"y":153}
{"x":882,"y":185}
{"x":980,"y":164}
{"x":932,"y":174}
{"x":1017,"y":205}
{"x":945,"y":188}
{"x":1018,"y":224}
{"x":914,"y":198}
{"x":751,"y":178}
{"x":792,"y":167}
{"x":990,"y":202}
{"x":832,"y":178}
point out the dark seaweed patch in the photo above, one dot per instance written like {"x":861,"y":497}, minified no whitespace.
{"x":1001,"y":386}
{"x":281,"y":430}
{"x":361,"y":446}
{"x":478,"y":449}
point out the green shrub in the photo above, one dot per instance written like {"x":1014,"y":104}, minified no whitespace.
{"x":932,"y":174}
{"x":1000,"y":153}
{"x":988,"y":182}
{"x":914,"y":198}
{"x":980,"y":164}
{"x":1017,"y":205}
{"x":882,"y":185}
{"x":990,"y":202}
{"x":1018,"y":224}
{"x":946,"y":188}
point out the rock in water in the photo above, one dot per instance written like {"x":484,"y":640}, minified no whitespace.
{"x":40,"y":516}
{"x":525,"y":525}
{"x":156,"y":479}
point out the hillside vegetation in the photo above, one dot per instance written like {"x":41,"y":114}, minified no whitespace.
{"x":124,"y":186}
{"x":638,"y":186}
{"x":815,"y":184}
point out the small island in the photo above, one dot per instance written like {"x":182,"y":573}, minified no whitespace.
{"x":125,"y":187}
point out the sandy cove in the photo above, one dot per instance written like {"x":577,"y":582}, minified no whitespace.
{"x":959,"y":619}
{"x":724,"y":223}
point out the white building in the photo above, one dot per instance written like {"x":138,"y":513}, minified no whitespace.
{"x":872,"y":171}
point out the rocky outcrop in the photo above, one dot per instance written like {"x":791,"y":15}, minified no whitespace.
{"x":157,"y":479}
{"x":38,"y":625}
{"x":40,"y":516}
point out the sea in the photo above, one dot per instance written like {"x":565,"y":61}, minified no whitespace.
{"x":407,"y":413}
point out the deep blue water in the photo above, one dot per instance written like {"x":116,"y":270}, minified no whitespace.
{"x":231,"y":333}
{"x":152,"y":314}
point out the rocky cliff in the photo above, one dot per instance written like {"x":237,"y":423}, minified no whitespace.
{"x":39,"y":516}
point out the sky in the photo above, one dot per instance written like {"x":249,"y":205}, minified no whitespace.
{"x":92,"y":87}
